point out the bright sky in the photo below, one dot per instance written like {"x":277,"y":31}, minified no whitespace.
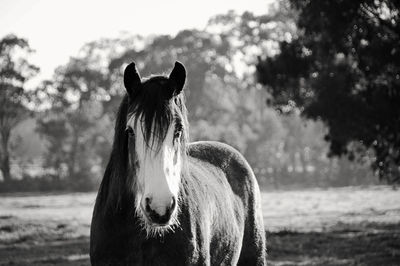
{"x":56,"y":29}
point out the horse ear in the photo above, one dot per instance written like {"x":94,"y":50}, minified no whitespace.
{"x":132,"y":80}
{"x":178,"y":77}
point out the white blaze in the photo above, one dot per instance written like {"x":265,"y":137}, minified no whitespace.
{"x":159,"y":173}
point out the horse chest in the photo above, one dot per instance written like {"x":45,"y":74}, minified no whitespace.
{"x":171,"y":249}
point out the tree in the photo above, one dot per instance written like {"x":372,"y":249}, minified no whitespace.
{"x":223,"y":100}
{"x":344,"y":69}
{"x":70,"y":124}
{"x":15,"y":70}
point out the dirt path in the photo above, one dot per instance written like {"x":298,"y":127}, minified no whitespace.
{"x":365,"y":244}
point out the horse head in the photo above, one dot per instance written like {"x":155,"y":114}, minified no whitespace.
{"x":157,"y":132}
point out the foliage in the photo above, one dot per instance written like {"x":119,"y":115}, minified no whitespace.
{"x":69,"y":125}
{"x":344,"y":69}
{"x":224,"y":104}
{"x":77,"y":106}
{"x":15,"y":70}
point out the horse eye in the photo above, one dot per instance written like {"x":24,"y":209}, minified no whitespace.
{"x":177,"y":134}
{"x":129,"y":131}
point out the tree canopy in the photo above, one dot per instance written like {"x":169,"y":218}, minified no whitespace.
{"x":344,"y":69}
{"x":71,"y":123}
{"x":76,"y":107}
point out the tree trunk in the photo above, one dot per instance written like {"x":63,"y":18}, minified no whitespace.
{"x":5,"y":168}
{"x":72,"y":156}
{"x":5,"y":157}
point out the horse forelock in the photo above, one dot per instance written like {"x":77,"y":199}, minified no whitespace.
{"x":156,"y":112}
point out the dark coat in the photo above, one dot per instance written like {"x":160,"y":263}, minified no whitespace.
{"x":220,"y":218}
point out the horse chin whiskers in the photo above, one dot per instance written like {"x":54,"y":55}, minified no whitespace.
{"x":154,"y":230}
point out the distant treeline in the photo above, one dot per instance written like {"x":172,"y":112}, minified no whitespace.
{"x":70,"y":118}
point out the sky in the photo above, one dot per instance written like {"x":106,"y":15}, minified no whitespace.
{"x":56,"y":29}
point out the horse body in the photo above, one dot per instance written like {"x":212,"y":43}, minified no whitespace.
{"x":219,"y":219}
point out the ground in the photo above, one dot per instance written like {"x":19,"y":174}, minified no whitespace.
{"x":347,"y":226}
{"x":368,"y":244}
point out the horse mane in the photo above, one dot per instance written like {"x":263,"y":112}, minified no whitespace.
{"x":157,"y":112}
{"x":111,"y":190}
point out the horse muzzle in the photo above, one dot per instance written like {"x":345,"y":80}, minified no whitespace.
{"x":157,"y":215}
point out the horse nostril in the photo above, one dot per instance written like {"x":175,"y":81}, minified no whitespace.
{"x":171,"y":207}
{"x":173,"y":203}
{"x":148,"y":202}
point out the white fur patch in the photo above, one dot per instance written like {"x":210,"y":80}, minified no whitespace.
{"x":158,"y":177}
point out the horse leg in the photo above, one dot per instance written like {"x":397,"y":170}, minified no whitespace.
{"x":254,"y":243}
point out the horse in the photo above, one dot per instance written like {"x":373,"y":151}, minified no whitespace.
{"x":165,"y":201}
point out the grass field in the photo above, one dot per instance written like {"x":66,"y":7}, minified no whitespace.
{"x":346,"y":226}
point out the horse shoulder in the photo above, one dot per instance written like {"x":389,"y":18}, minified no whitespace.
{"x":236,"y":168}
